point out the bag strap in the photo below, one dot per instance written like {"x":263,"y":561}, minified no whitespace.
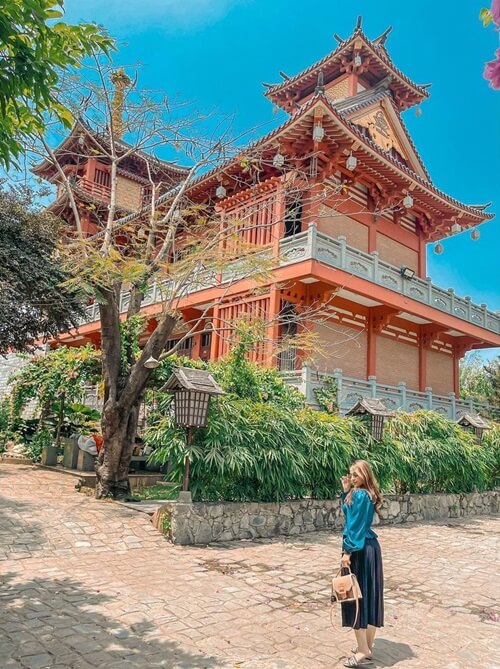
{"x":357,"y":600}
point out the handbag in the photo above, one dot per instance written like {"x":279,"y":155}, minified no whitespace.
{"x":345,"y":588}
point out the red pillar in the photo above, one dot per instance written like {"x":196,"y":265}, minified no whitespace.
{"x":371,"y":349}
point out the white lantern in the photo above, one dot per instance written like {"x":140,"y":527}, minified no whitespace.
{"x":351,"y":162}
{"x":318,"y":133}
{"x":221,"y":191}
{"x":408,"y":201}
{"x":278,"y":160}
{"x":357,"y":60}
{"x":456,"y":228}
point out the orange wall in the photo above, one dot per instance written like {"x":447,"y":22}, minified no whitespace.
{"x":128,"y":193}
{"x":396,"y":253}
{"x":335,"y":224}
{"x":395,"y":362}
{"x":341,"y":348}
{"x":440,"y":372}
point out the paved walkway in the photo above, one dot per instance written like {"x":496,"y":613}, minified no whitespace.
{"x":87,"y":584}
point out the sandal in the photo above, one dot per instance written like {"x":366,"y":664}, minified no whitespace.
{"x":353,"y":662}
{"x":368,"y":657}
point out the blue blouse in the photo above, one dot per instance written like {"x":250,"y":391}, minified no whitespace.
{"x":358,"y":520}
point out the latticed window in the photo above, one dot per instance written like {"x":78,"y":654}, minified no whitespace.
{"x":102,"y":177}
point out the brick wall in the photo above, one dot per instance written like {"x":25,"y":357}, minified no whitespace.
{"x":343,"y":348}
{"x":396,"y":361}
{"x":334,"y":224}
{"x":395,"y":253}
{"x":128,"y":193}
{"x":440,"y":372}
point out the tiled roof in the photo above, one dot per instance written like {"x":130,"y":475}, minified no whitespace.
{"x":378,"y":50}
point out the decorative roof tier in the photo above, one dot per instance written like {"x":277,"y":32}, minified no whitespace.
{"x":84,"y":141}
{"x":387,"y":175}
{"x":358,"y":55}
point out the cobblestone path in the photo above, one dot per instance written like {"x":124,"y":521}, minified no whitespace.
{"x":87,"y":584}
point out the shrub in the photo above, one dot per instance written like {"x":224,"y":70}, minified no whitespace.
{"x":261,"y":444}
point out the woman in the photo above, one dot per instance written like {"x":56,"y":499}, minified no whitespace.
{"x":361,"y":552}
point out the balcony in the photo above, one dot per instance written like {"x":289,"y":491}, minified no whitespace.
{"x":350,"y":390}
{"x":99,"y":191}
{"x":314,"y":245}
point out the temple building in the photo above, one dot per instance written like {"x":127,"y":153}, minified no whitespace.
{"x":346,"y":206}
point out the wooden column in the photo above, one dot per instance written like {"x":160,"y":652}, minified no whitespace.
{"x":273,"y":329}
{"x":422,"y":258}
{"x":456,"y":375}
{"x":90,"y":171}
{"x":214,"y":347}
{"x":352,"y":84}
{"x":371,"y":349}
{"x":422,"y":365}
{"x":278,"y":228}
{"x":372,"y":237}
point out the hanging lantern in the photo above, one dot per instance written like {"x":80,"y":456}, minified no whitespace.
{"x":221,"y":191}
{"x":351,"y":162}
{"x":278,"y":160}
{"x":408,"y":201}
{"x":357,"y":60}
{"x":318,"y":133}
{"x":456,"y":228}
{"x":438,"y":249}
{"x":475,"y":234}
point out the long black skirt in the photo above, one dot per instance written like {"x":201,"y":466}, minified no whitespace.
{"x":367,"y":565}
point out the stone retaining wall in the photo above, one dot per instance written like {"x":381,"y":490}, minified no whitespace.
{"x":203,"y":523}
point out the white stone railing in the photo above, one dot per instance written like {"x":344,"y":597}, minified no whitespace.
{"x":314,"y":245}
{"x":350,"y":390}
{"x":335,"y":253}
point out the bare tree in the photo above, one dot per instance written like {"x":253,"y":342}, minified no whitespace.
{"x":177,"y":240}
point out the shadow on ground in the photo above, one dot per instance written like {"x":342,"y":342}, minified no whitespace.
{"x":51,"y":622}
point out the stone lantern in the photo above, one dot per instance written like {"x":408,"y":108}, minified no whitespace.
{"x":192,"y":390}
{"x":475,"y":424}
{"x":376,"y":411}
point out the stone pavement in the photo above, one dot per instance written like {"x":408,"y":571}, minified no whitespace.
{"x":87,"y":584}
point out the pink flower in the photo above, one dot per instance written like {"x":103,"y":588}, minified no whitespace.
{"x":495,"y":11}
{"x":492,"y":71}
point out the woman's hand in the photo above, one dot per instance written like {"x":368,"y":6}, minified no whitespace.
{"x":346,"y":483}
{"x":345,"y":560}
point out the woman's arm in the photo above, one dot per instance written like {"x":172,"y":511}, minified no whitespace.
{"x":356,"y":522}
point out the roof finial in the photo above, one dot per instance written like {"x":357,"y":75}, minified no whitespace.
{"x":337,"y":38}
{"x":359,"y":23}
{"x":320,"y":86}
{"x":382,"y":38}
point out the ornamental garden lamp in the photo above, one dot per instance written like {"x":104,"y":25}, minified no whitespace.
{"x":375,"y":411}
{"x":475,"y":424}
{"x":192,"y":390}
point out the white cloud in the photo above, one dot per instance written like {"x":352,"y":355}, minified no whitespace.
{"x":134,"y":15}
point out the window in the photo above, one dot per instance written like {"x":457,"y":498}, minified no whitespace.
{"x":206,"y":339}
{"x":102,"y":177}
{"x":293,"y":218}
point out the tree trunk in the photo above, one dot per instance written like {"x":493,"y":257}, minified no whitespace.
{"x":113,"y":462}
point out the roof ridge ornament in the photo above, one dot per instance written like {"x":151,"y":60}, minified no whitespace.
{"x":359,"y":23}
{"x":320,"y":85}
{"x":381,"y":39}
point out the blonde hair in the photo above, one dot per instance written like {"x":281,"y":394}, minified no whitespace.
{"x":369,"y":483}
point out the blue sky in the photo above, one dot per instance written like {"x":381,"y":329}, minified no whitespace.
{"x":217,"y":53}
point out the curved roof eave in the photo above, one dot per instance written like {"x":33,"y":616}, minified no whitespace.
{"x":380,"y":54}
